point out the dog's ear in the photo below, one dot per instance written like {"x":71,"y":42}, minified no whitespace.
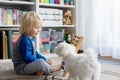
{"x":61,"y":49}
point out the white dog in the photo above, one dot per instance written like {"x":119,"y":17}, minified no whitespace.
{"x":82,"y":66}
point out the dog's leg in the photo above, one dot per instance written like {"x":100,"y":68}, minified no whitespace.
{"x":97,"y":73}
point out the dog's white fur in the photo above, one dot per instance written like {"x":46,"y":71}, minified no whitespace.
{"x":83,"y":66}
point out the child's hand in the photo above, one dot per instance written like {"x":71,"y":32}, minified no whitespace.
{"x":49,"y":62}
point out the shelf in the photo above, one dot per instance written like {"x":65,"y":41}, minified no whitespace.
{"x":35,"y":5}
{"x":9,"y":27}
{"x":56,"y":5}
{"x":58,"y":26}
{"x":1,"y":29}
{"x":16,"y":27}
{"x":17,"y":2}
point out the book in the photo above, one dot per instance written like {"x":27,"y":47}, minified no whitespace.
{"x":14,"y":16}
{"x":3,"y":45}
{"x":9,"y":41}
{"x":5,"y":51}
{"x":41,"y":1}
{"x":51,"y":1}
{"x":46,"y":1}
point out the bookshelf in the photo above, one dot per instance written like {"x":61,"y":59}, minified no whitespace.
{"x":36,"y":5}
{"x":9,"y":22}
{"x":10,"y":5}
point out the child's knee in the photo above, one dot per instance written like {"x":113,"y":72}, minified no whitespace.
{"x":45,"y":67}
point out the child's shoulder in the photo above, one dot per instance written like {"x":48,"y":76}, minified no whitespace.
{"x":24,"y":38}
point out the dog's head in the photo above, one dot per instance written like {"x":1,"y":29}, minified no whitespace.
{"x":63,"y":49}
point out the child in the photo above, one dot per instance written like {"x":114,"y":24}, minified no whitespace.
{"x":26,"y":59}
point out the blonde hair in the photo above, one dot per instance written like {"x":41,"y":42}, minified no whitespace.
{"x":28,"y":21}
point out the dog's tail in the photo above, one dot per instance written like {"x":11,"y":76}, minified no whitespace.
{"x":91,"y":53}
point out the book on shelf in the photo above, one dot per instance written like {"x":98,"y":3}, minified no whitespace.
{"x":51,"y":16}
{"x":3,"y":45}
{"x":51,"y":1}
{"x":9,"y":42}
{"x":46,"y":1}
{"x":62,"y":2}
{"x":11,"y":16}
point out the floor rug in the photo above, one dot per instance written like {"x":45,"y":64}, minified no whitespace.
{"x":110,"y":71}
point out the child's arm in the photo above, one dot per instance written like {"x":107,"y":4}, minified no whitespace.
{"x":38,"y":55}
{"x":26,"y":52}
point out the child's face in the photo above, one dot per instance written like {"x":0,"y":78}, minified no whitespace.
{"x":35,"y":30}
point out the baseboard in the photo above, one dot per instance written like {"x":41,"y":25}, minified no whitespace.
{"x":108,"y":57}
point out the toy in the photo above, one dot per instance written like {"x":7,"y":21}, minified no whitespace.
{"x":67,"y":17}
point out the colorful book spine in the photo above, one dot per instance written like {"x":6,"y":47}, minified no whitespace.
{"x":10,"y":17}
{"x":5,"y":51}
{"x":3,"y":45}
{"x":7,"y":17}
{"x":51,"y":1}
{"x":9,"y":41}
{"x":66,"y":2}
{"x":0,"y":16}
{"x":41,"y":1}
{"x":3,"y":16}
{"x":46,"y":1}
{"x":56,"y":1}
{"x":14,"y":16}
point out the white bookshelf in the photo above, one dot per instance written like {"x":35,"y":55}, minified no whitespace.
{"x":7,"y":4}
{"x":35,"y":5}
{"x":4,"y":26}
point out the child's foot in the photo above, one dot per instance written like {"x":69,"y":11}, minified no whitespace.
{"x":57,"y":68}
{"x":39,"y":73}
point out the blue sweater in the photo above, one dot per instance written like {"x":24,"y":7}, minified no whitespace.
{"x":26,"y":50}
